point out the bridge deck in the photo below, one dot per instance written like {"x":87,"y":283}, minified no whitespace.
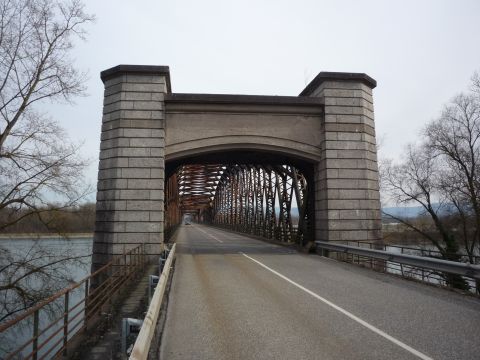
{"x":234,"y":297}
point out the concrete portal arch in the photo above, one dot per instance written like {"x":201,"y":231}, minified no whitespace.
{"x":205,"y":123}
{"x":145,"y":126}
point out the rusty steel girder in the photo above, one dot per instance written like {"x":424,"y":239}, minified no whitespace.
{"x":250,"y":198}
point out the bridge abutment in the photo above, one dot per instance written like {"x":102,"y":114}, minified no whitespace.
{"x":130,"y":194}
{"x":347,"y":199}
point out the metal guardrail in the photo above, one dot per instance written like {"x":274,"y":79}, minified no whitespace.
{"x":411,"y":250}
{"x":144,"y":339}
{"x":452,"y":267}
{"x":65,"y":325}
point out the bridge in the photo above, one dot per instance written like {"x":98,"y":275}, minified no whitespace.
{"x":164,"y":154}
{"x":268,"y":207}
{"x":288,"y":169}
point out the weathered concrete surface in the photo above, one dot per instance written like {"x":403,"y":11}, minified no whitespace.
{"x":130,"y":199}
{"x":222,"y":305}
{"x":202,"y":123}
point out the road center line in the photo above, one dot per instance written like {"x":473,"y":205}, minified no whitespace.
{"x":345,"y":312}
{"x":213,"y":237}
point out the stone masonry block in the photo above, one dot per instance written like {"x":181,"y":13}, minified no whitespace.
{"x":145,"y":184}
{"x":137,"y":96}
{"x":352,"y":224}
{"x":132,"y":238}
{"x":349,"y":145}
{"x":129,"y":216}
{"x":112,"y":98}
{"x":142,"y":227}
{"x":111,"y":205}
{"x":115,"y":80}
{"x":111,"y":134}
{"x":354,"y":183}
{"x":148,"y":105}
{"x":349,"y":154}
{"x":127,"y":123}
{"x":348,"y":235}
{"x":137,"y":194}
{"x":145,"y":79}
{"x":140,"y":87}
{"x":117,"y":106}
{"x":357,"y":174}
{"x":137,"y":133}
{"x":114,"y":143}
{"x":350,"y":128}
{"x":135,"y":173}
{"x":158,"y":133}
{"x":157,"y":216}
{"x":335,"y":85}
{"x":348,"y":194}
{"x":348,"y":102}
{"x":348,"y":93}
{"x":112,"y":184}
{"x":351,"y":214}
{"x":147,"y":142}
{"x":157,"y":173}
{"x":141,"y":114}
{"x":114,"y":162}
{"x":113,"y":226}
{"x":109,"y":173}
{"x":147,"y":162}
{"x":156,"y":194}
{"x":147,"y":205}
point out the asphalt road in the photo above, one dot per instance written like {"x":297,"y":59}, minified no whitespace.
{"x":234,"y":297}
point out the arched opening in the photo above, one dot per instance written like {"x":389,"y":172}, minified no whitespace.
{"x":269,"y":194}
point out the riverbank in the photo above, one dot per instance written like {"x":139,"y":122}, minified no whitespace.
{"x":35,"y":236}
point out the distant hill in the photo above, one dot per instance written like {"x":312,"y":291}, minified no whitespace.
{"x":403,"y":212}
{"x":414,"y":211}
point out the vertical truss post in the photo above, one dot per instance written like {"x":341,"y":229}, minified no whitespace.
{"x":299,"y":184}
{"x":259,"y":191}
{"x":270,"y":217}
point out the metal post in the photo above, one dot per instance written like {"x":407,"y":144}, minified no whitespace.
{"x":35,"y":335}
{"x":85,"y":306}
{"x":125,"y":274}
{"x":401,"y":265}
{"x":65,"y":324}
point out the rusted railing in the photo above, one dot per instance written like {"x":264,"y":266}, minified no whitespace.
{"x":57,"y":323}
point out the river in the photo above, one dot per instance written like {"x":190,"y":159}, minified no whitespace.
{"x":40,"y":250}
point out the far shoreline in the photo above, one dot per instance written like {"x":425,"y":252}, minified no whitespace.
{"x":40,"y":236}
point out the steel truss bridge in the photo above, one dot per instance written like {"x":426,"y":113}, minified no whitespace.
{"x":270,"y":201}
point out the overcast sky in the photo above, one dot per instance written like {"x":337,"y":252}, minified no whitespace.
{"x":420,"y":52}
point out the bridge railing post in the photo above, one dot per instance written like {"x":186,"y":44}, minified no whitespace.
{"x":36,"y":322}
{"x":65,"y":323}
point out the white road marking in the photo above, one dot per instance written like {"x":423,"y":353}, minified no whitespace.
{"x":213,"y":237}
{"x":345,"y":312}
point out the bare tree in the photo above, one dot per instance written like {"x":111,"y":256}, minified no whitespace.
{"x":36,"y":158}
{"x":38,"y":164}
{"x":442,"y":175}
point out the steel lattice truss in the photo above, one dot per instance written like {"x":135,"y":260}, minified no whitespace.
{"x":256,"y":199}
{"x":196,"y":186}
